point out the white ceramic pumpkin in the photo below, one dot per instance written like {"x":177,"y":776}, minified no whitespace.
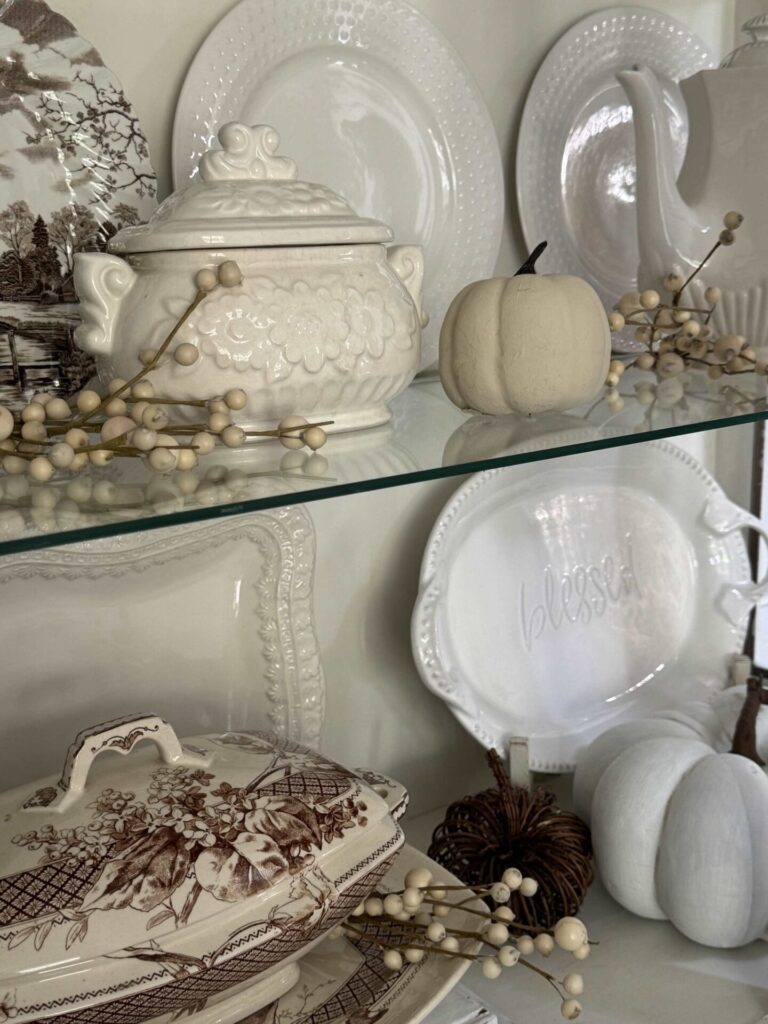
{"x":680,"y":825}
{"x":527,"y":344}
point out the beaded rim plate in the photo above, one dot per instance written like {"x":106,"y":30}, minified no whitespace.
{"x":555,"y":603}
{"x":229,"y":603}
{"x":576,"y":151}
{"x":371,"y":100}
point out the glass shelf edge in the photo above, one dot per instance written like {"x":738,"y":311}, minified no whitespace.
{"x":159,"y":521}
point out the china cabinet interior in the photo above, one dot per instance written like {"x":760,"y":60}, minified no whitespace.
{"x":369,"y":545}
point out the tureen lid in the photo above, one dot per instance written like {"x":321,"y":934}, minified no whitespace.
{"x":248,"y":196}
{"x":161,"y":858}
{"x":755,"y":52}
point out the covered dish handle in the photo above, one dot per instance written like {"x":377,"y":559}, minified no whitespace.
{"x":392,"y":793}
{"x":120,"y":736}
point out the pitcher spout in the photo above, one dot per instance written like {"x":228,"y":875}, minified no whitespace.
{"x":667,"y":226}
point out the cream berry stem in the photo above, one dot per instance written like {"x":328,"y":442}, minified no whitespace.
{"x":363,"y":934}
{"x":676,"y":337}
{"x":288,"y":431}
{"x":731,"y":223}
{"x":227,"y":275}
{"x":142,"y":373}
{"x":200,"y":403}
{"x":51,"y":433}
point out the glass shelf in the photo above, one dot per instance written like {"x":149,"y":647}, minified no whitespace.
{"x":427,"y":438}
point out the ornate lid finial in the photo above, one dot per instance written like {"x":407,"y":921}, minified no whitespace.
{"x":247,"y":198}
{"x":248,"y":152}
{"x":755,"y":52}
{"x":757,"y":27}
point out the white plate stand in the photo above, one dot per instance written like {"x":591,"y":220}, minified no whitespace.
{"x":519,"y":763}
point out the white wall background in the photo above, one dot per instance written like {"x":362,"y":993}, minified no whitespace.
{"x":370,"y":546}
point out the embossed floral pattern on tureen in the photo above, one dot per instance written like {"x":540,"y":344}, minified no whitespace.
{"x":371,"y":324}
{"x":308,"y":324}
{"x":260,"y":199}
{"x":275,"y":327}
{"x":190,"y":835}
{"x":233,"y":331}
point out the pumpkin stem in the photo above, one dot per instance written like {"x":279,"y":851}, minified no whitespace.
{"x":745,"y":733}
{"x":529,"y":267}
{"x":506,"y":793}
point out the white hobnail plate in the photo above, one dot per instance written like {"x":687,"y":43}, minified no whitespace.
{"x":227,"y":604}
{"x":371,"y":100}
{"x":557,"y":599}
{"x":576,"y":149}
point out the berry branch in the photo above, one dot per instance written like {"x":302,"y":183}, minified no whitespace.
{"x":131,"y":421}
{"x":676,"y":337}
{"x":413,"y":922}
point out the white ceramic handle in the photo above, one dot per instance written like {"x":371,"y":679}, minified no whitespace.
{"x":407,"y":261}
{"x":102,"y":283}
{"x":738,"y":598}
{"x":119,"y":736}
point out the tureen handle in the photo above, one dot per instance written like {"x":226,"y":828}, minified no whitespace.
{"x":120,"y":736}
{"x":392,"y":793}
{"x":102,"y":283}
{"x":407,"y":261}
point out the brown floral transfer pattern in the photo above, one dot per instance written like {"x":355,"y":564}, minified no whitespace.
{"x":189,"y":983}
{"x":363,"y":998}
{"x":159,"y":854}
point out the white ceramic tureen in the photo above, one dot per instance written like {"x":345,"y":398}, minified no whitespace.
{"x":327,"y":322}
{"x":134,"y":890}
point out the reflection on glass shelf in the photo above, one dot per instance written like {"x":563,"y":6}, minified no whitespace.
{"x":427,"y":438}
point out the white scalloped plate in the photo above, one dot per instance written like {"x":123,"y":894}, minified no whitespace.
{"x":370,"y":99}
{"x":576,"y":149}
{"x":558,"y":599}
{"x":211,"y":624}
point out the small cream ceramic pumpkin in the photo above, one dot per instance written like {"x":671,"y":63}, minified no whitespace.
{"x":679,"y":824}
{"x":526,"y":344}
